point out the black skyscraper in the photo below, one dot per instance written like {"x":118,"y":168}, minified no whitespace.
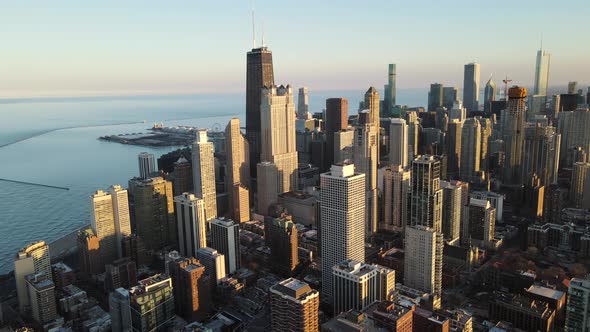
{"x":259,"y":73}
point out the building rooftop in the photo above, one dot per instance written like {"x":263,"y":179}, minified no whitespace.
{"x":39,"y":281}
{"x":293,"y":288}
{"x":546,"y":292}
{"x":355,"y":268}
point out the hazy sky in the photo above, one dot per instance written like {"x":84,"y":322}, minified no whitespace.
{"x":101,"y":47}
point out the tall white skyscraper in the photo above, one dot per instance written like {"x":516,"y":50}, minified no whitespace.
{"x":452,"y":210}
{"x":190,"y":223}
{"x":238,"y":170}
{"x":204,"y":173}
{"x":110,"y":220}
{"x":389,"y":89}
{"x":398,"y":142}
{"x":396,"y":185}
{"x":577,"y":316}
{"x":214,"y":263}
{"x":225,"y":238}
{"x":365,"y":156}
{"x":32,"y":259}
{"x":303,"y":104}
{"x":471,"y":87}
{"x":122,"y":218}
{"x":147,"y":165}
{"x":542,"y":72}
{"x":342,"y":220}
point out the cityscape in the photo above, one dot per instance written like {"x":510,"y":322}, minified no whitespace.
{"x":468,"y":213}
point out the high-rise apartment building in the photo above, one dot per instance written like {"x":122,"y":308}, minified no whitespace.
{"x":342,"y":224}
{"x":398,"y":142}
{"x":413,"y":134}
{"x":435,"y":97}
{"x":479,"y":223}
{"x":282,"y":238}
{"x":214,"y":263}
{"x":513,"y":135}
{"x":453,"y":148}
{"x":110,"y":220}
{"x":578,"y":305}
{"x":542,"y":73}
{"x":240,"y":203}
{"x":147,"y":165}
{"x":365,"y":156}
{"x":579,"y":183}
{"x":32,"y":259}
{"x":204,"y":173}
{"x":470,"y":149}
{"x":267,"y":186}
{"x":41,"y":292}
{"x":425,"y":193}
{"x":153,"y":204}
{"x":358,"y":285}
{"x":396,"y":185}
{"x":389,"y":101}
{"x":225,"y":238}
{"x":190,"y":223}
{"x":452,"y":210}
{"x":471,"y":87}
{"x":259,"y":74}
{"x":294,"y":306}
{"x":192,"y":297}
{"x":278,"y":135}
{"x":335,"y":121}
{"x":573,"y":127}
{"x":487,"y":129}
{"x":541,"y":153}
{"x":489,"y":95}
{"x":152,"y":304}
{"x":303,"y":104}
{"x":238,"y":169}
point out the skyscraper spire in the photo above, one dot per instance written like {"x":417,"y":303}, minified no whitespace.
{"x":253,"y":28}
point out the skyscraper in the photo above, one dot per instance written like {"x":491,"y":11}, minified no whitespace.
{"x":214,"y":263}
{"x":192,"y":296}
{"x":457,"y":112}
{"x":240,"y":203}
{"x":294,"y":306}
{"x":204,"y":173}
{"x":225,"y":238}
{"x":435,"y":97}
{"x":486,"y":133}
{"x":41,"y":292}
{"x":120,"y":310}
{"x":365,"y":158}
{"x":478,"y":223}
{"x":259,"y":73}
{"x":542,"y":73}
{"x":578,"y":305}
{"x":452,"y":209}
{"x":147,"y":165}
{"x":190,"y":223}
{"x":398,"y":143}
{"x":425,"y":193}
{"x":390,"y":92}
{"x":278,"y":135}
{"x":343,"y":145}
{"x":342,"y":220}
{"x":453,"y":149}
{"x":335,"y":121}
{"x":470,"y":149}
{"x":413,"y":134}
{"x":152,"y":304}
{"x":282,"y":238}
{"x":267,"y":186}
{"x":450,"y":96}
{"x":110,"y":220}
{"x":372,"y":104}
{"x":32,"y":259}
{"x":396,"y":185}
{"x":573,"y":127}
{"x":303,"y":104}
{"x":471,"y":87}
{"x":541,"y":153}
{"x":238,"y":160}
{"x":513,"y":135}
{"x":579,"y":183}
{"x":489,"y":95}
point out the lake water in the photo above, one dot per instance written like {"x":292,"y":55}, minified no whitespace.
{"x":54,"y":142}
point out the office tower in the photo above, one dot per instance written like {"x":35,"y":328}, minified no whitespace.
{"x":41,"y":292}
{"x":413,"y":134}
{"x":191,"y":287}
{"x":365,"y":156}
{"x":487,"y":129}
{"x":578,"y":305}
{"x":453,"y":150}
{"x":204,"y":173}
{"x":435,"y":97}
{"x":423,"y":237}
{"x":267,"y":186}
{"x":342,"y":212}
{"x":238,"y":169}
{"x":450,"y":96}
{"x":225,"y":238}
{"x":282,"y":238}
{"x":452,"y":209}
{"x":343,"y":145}
{"x":110,"y":220}
{"x":489,"y":95}
{"x":479,"y":223}
{"x":32,"y":259}
{"x":389,"y":101}
{"x":457,"y":112}
{"x":259,"y":74}
{"x":578,"y":184}
{"x":432,"y":141}
{"x":120,"y":273}
{"x":470,"y":149}
{"x":190,"y":223}
{"x":240,"y":203}
{"x":152,"y":304}
{"x":357,"y":285}
{"x":303,"y":104}
{"x":119,"y":308}
{"x":147,"y":165}
{"x":471,"y":87}
{"x":89,"y":257}
{"x":542,"y":73}
{"x":335,"y":121}
{"x":513,"y":135}
{"x":541,"y":153}
{"x":214,"y":263}
{"x":572,"y":87}
{"x":278,"y":135}
{"x":182,"y":176}
{"x":294,"y":306}
{"x":154,"y":211}
{"x":573,"y":127}
{"x":398,"y":143}
{"x":372,"y":104}
{"x":396,"y":184}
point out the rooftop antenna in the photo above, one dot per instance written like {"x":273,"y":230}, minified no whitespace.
{"x":506,"y":81}
{"x":253,"y":28}
{"x":263,"y":44}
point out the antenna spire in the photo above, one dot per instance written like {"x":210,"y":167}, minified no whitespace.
{"x":263,"y":43}
{"x":253,"y":28}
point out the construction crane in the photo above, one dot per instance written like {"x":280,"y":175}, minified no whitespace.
{"x":506,"y":81}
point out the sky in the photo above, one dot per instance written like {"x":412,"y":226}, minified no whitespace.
{"x":115,"y":47}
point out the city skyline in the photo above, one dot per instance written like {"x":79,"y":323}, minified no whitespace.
{"x":170,"y":48}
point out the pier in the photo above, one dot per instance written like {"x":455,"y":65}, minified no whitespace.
{"x":35,"y":184}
